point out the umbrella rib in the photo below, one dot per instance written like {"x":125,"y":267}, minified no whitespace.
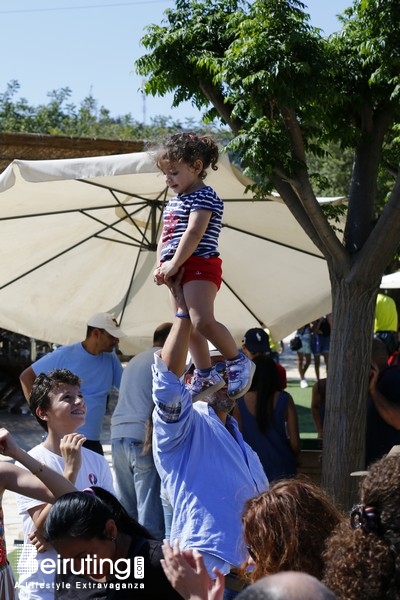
{"x":137,"y":243}
{"x":153,"y":207}
{"x":261,"y":237}
{"x":45,"y":262}
{"x":75,"y":210}
{"x":33,"y":269}
{"x":242,"y":303}
{"x":151,"y":245}
{"x":112,"y":226}
{"x":155,"y":227}
{"x":112,"y":190}
{"x":129,"y":287}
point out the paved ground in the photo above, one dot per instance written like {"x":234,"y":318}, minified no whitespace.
{"x":28,"y":433}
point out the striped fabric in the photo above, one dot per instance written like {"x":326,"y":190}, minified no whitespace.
{"x":176,"y":217}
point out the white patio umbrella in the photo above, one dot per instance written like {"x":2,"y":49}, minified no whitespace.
{"x":79,"y":236}
{"x":391,"y":281}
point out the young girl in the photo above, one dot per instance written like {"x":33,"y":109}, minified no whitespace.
{"x":192,"y":223}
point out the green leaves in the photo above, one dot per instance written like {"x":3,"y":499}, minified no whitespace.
{"x":61,"y":117}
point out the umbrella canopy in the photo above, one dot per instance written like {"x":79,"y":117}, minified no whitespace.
{"x":391,"y":281}
{"x":79,"y":236}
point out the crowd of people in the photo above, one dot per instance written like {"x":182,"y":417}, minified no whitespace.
{"x":234,"y":527}
{"x":314,"y":340}
{"x":206,"y":502}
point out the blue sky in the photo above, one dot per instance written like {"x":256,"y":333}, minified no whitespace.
{"x":90,"y":46}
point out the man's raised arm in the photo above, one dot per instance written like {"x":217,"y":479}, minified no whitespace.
{"x":27,"y":378}
{"x":175,"y":349}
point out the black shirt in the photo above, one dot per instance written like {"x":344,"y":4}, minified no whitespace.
{"x":153,"y":586}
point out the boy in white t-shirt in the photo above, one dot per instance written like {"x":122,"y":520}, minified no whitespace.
{"x":58,"y":405}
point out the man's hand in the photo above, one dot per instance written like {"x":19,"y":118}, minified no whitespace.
{"x":168,"y":270}
{"x":175,"y":287}
{"x":158,"y":277}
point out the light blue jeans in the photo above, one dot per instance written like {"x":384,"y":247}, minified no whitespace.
{"x":138,"y":484}
{"x":168,"y":513}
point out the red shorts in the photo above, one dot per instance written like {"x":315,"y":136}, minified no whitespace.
{"x":198,"y":268}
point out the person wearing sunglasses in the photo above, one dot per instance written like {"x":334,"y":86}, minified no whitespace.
{"x":286,"y":529}
{"x":207,"y":470}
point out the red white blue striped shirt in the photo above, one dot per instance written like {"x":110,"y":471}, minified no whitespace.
{"x":176,"y":218}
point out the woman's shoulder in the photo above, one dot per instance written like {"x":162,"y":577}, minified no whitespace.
{"x":248,"y":403}
{"x":283,"y":398}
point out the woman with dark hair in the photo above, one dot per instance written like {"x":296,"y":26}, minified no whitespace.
{"x":109,"y":554}
{"x":363,"y":555}
{"x":268,"y":420}
{"x":286,"y":528}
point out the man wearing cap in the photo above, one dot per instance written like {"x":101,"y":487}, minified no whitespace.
{"x":96,"y":364}
{"x":256,"y":342}
{"x":207,"y":470}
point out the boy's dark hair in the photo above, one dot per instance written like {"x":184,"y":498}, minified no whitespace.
{"x":43,"y":385}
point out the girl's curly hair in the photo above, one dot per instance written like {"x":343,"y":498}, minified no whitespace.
{"x":362,"y":556}
{"x":188,"y":148}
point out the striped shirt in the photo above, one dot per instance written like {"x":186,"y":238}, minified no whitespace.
{"x":176,"y":218}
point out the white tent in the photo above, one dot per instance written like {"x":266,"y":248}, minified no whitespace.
{"x":391,"y":281}
{"x":79,"y":236}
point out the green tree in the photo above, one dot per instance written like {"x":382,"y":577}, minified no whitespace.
{"x":59,"y":116}
{"x":287,"y":93}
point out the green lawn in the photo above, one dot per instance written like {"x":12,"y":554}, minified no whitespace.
{"x":302,"y":399}
{"x":13,"y":558}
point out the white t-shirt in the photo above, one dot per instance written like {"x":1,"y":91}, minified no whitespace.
{"x":35,"y":583}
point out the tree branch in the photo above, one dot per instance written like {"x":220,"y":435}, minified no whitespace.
{"x":363,"y":186}
{"x":302,"y":202}
{"x":294,"y":133}
{"x":222,"y":107}
{"x":313,"y":221}
{"x":383,"y":241}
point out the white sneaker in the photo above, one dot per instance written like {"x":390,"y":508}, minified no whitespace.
{"x":240,"y":374}
{"x":303,"y":383}
{"x":202,"y":386}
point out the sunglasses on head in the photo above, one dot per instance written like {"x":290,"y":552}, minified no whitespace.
{"x":251,"y":552}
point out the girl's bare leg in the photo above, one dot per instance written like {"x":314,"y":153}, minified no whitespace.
{"x":200,"y":297}
{"x":198,"y":346}
{"x":199,"y":350}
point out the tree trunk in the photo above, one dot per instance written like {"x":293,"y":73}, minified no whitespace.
{"x":353,"y":303}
